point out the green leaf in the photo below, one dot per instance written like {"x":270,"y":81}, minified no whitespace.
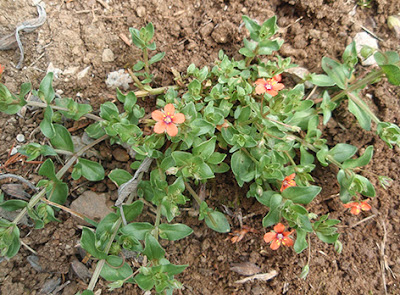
{"x":342,"y":152}
{"x":145,"y":282}
{"x":386,"y":58}
{"x":88,"y":242}
{"x":15,"y":244}
{"x":172,"y":269}
{"x":46,"y":91}
{"x":138,"y":66}
{"x":335,"y":71}
{"x":115,"y":269}
{"x":137,"y":229}
{"x":267,"y":47}
{"x":95,"y":130}
{"x":136,"y":39}
{"x":174,"y":232}
{"x":363,"y":118}
{"x":216,"y":158}
{"x":392,"y":73}
{"x":204,"y":171}
{"x":157,"y":57}
{"x":329,"y":239}
{"x":47,"y":169}
{"x":132,"y":211}
{"x":57,"y":192}
{"x":46,"y":126}
{"x":321,"y":80}
{"x":242,"y":166}
{"x":360,"y":161}
{"x":91,"y":170}
{"x":181,"y":158}
{"x":252,"y":26}
{"x":62,"y":139}
{"x":153,"y":250}
{"x":205,"y":149}
{"x":301,"y":242}
{"x":217,"y":221}
{"x":109,"y":111}
{"x":120,"y":176}
{"x":301,"y":194}
{"x":12,"y":205}
{"x":273,"y":201}
{"x":304,"y":272}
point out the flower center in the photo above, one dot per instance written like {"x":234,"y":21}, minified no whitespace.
{"x":167,"y":119}
{"x":279,"y":236}
{"x":268,"y":86}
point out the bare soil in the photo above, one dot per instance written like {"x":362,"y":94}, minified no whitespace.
{"x":75,"y":36}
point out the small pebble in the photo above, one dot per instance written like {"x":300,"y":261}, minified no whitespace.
{"x":20,"y":138}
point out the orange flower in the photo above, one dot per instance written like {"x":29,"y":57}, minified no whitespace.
{"x":278,"y":236}
{"x":223,"y":125}
{"x":270,"y":86}
{"x":356,"y":207}
{"x":288,"y":182}
{"x":1,"y":69}
{"x":238,"y":235}
{"x":166,"y":120}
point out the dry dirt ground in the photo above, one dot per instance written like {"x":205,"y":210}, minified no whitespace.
{"x":75,"y":37}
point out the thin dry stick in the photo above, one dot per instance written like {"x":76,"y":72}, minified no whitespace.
{"x":382,"y":255}
{"x":363,"y":220}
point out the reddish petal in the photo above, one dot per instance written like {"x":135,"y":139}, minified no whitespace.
{"x":290,"y":177}
{"x":350,"y":205}
{"x":269,"y":237}
{"x":277,"y":78}
{"x":272,"y":92}
{"x":178,"y":118}
{"x":260,"y":82}
{"x":275,"y":244}
{"x":172,"y":130}
{"x":287,"y":233}
{"x":160,"y":127}
{"x":355,"y":210}
{"x":278,"y":86}
{"x":169,"y":109}
{"x":260,"y":89}
{"x":279,"y":228}
{"x":287,"y":242}
{"x":157,"y":115}
{"x":365,"y":206}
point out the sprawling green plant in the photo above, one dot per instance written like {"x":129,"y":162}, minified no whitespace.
{"x":238,"y":116}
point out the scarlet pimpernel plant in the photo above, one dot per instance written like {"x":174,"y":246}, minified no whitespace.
{"x":239,"y":116}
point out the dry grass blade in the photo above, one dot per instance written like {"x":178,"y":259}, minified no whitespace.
{"x":262,"y":277}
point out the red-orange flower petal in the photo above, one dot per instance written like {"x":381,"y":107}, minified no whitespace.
{"x":286,"y":241}
{"x":169,"y":109}
{"x":160,"y":127}
{"x":355,"y":210}
{"x":275,"y":244}
{"x":279,"y":228}
{"x":365,"y":206}
{"x":269,"y":237}
{"x":288,"y":181}
{"x":178,"y":118}
{"x":277,"y":78}
{"x":157,"y":115}
{"x":2,"y":69}
{"x":172,"y":130}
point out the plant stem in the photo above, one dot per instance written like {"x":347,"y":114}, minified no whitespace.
{"x":249,"y":155}
{"x":36,"y":198}
{"x":193,"y":193}
{"x":146,"y":60}
{"x":136,"y":79}
{"x":101,"y":263}
{"x":358,"y":84}
{"x":250,"y":59}
{"x":54,"y":107}
{"x":361,"y":104}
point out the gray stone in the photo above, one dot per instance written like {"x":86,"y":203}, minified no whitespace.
{"x":108,"y":55}
{"x":364,"y":39}
{"x":91,"y":205}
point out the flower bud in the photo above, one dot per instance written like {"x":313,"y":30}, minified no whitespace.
{"x":172,"y":171}
{"x":393,"y":22}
